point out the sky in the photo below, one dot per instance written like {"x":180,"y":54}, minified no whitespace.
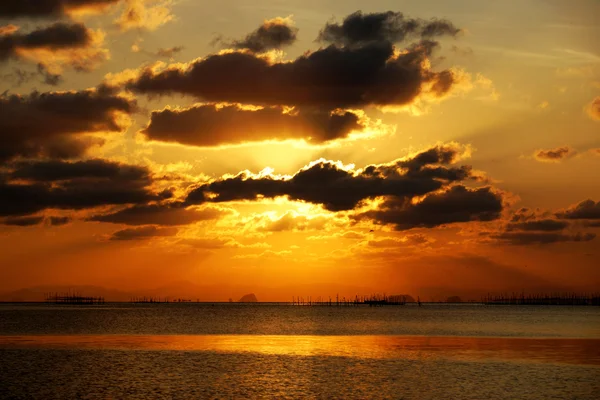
{"x":427,"y":147}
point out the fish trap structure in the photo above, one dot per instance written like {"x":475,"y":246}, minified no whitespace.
{"x":553,"y":299}
{"x":375,"y":300}
{"x":72,"y":298}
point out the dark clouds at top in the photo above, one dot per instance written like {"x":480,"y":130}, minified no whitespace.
{"x":272,"y":34}
{"x":54,"y":124}
{"x":359,"y":29}
{"x":47,"y":8}
{"x":330,"y":78}
{"x":337,"y":76}
{"x":322,"y":86}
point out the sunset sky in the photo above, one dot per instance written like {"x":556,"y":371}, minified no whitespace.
{"x":427,"y":147}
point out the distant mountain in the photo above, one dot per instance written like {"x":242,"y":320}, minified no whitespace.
{"x":248,"y":298}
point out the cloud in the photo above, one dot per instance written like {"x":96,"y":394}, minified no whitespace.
{"x":143,"y":232}
{"x":329,"y":78}
{"x":593,"y":109}
{"x":456,"y":204}
{"x":40,"y":185}
{"x":49,"y":8}
{"x":359,"y":29}
{"x":58,"y":221}
{"x":56,"y":124}
{"x":56,"y":46}
{"x":290,"y":221}
{"x":23,"y":221}
{"x":273,"y":34}
{"x":544,"y":225}
{"x":554,"y":155}
{"x":35,"y":220}
{"x":169,"y":52}
{"x":405,"y":241}
{"x":339,"y":188}
{"x":528,"y":238}
{"x":170,"y":214}
{"x":166,"y":52}
{"x":462,"y":51}
{"x":587,"y":209}
{"x":528,"y":227}
{"x":20,"y":76}
{"x":145,"y":14}
{"x":54,"y":170}
{"x":213,"y":125}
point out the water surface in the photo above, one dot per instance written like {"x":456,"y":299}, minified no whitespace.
{"x":269,"y":351}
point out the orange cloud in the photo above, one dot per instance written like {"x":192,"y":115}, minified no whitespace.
{"x":554,"y":155}
{"x":593,"y":109}
{"x":145,"y":14}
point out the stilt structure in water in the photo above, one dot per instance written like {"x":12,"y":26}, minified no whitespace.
{"x":374,"y":300}
{"x":553,"y":299}
{"x":72,"y":298}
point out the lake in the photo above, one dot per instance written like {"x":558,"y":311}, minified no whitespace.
{"x":198,"y":350}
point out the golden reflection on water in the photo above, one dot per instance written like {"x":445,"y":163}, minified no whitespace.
{"x":571,"y":351}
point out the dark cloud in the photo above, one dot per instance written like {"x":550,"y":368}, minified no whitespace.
{"x":55,"y":123}
{"x":528,"y":227}
{"x":23,"y":221}
{"x":544,"y":225}
{"x":587,"y":209}
{"x":272,"y":34}
{"x":209,"y":125}
{"x":54,"y":37}
{"x":58,"y":221}
{"x":53,"y":185}
{"x":53,"y":170}
{"x":143,"y":232}
{"x":35,"y":220}
{"x":457,"y":204}
{"x":48,"y":77}
{"x":330,"y":78}
{"x":337,"y":188}
{"x":528,"y":238}
{"x":554,"y":155}
{"x":390,"y":26}
{"x":20,"y":76}
{"x":171,"y":214}
{"x":462,"y":51}
{"x":48,"y":8}
{"x":526,"y":214}
{"x":169,"y":52}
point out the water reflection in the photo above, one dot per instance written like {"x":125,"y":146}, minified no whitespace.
{"x":570,"y":351}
